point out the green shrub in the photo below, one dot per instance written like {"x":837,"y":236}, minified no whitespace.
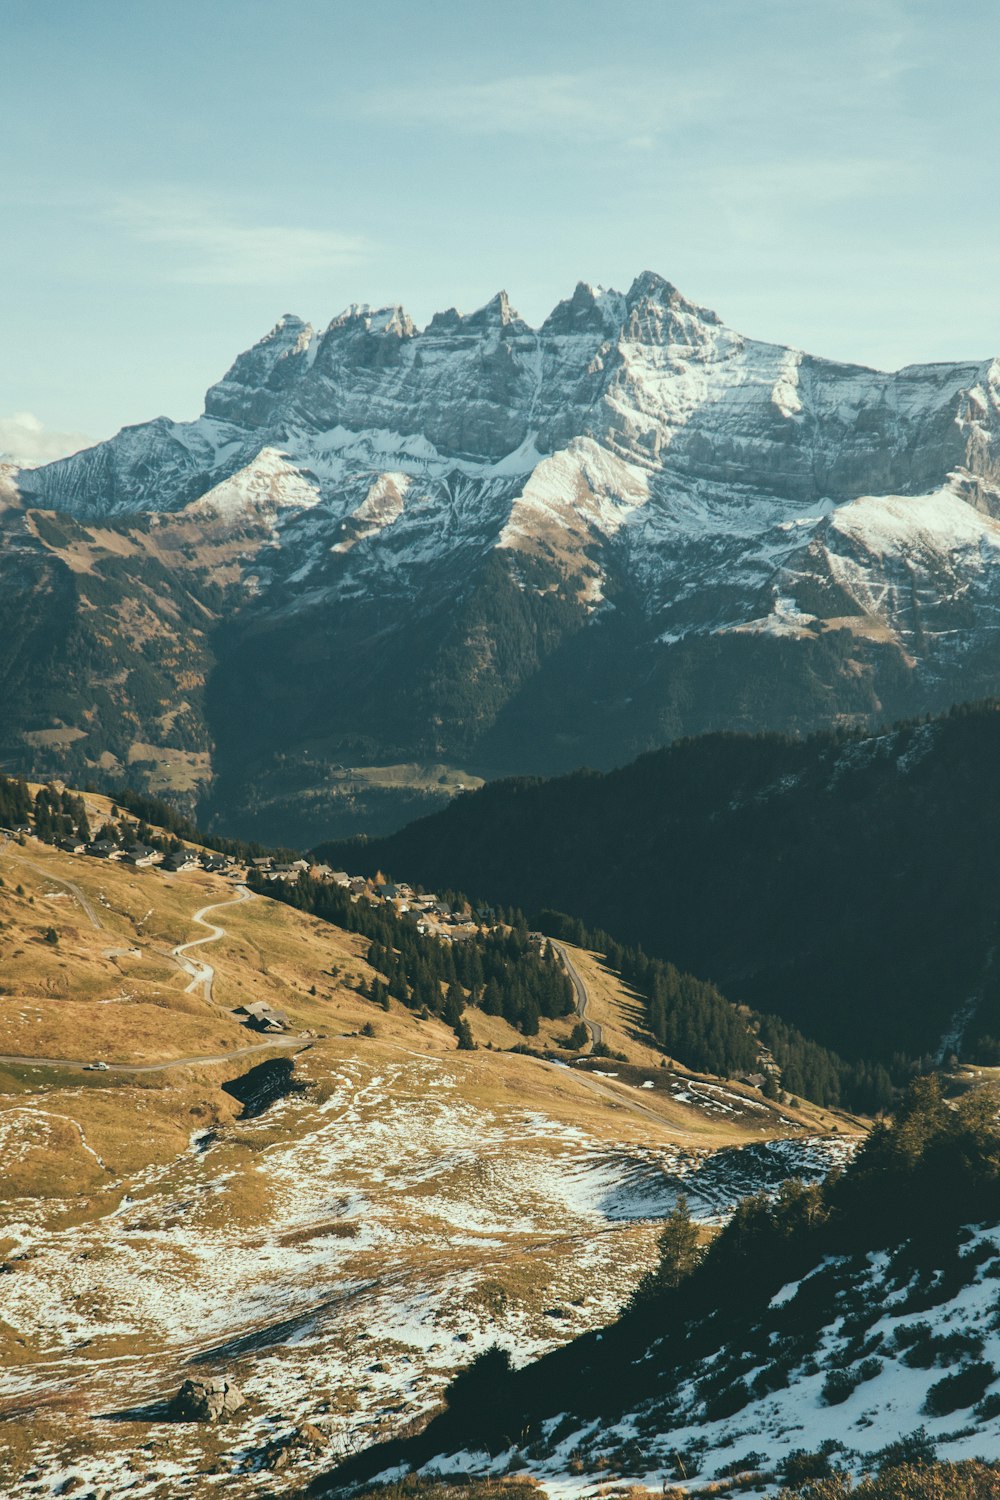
{"x":955,"y":1392}
{"x":750,"y":1463}
{"x":773,"y":1377}
{"x":840,"y":1384}
{"x":800,"y":1467}
{"x":913,"y":1448}
{"x":727,"y":1402}
{"x":837,"y":1386}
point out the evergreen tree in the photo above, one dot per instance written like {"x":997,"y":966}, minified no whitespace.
{"x":464,"y":1034}
{"x":677,"y":1246}
{"x":454,"y":1004}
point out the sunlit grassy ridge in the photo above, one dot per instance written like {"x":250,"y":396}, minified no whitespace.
{"x":345,"y":1250}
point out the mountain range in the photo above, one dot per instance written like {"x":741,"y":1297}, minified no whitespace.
{"x":388,"y":561}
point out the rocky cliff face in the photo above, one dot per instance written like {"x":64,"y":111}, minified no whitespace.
{"x":517,"y":548}
{"x":648,"y":376}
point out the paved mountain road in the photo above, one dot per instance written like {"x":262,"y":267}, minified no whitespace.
{"x":156,"y":1067}
{"x":595,"y":1028}
{"x":618,"y":1095}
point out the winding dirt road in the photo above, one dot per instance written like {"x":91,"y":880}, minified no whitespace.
{"x":203,"y":973}
{"x":619,"y":1095}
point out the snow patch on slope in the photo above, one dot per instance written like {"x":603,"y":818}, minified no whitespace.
{"x":382,"y":505}
{"x":633,"y":436}
{"x":269,"y":484}
{"x":940,"y":522}
{"x":886,"y":1403}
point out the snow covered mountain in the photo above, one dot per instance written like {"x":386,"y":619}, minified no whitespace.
{"x":506,"y":548}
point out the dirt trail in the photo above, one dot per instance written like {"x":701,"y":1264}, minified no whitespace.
{"x":155,"y":1067}
{"x":619,"y":1096}
{"x":201,"y":973}
{"x":67,"y":885}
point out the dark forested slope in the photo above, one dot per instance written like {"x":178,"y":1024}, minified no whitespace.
{"x":850,"y":884}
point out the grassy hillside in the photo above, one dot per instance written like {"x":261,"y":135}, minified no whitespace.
{"x":400,"y":1206}
{"x":110,"y":671}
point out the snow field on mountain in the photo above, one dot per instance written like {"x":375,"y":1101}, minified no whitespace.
{"x":703,"y":504}
{"x":270,"y":484}
{"x":938,"y":523}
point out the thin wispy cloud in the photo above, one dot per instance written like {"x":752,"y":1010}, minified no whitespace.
{"x":731,"y":105}
{"x":203,"y":245}
{"x":27,"y":441}
{"x":595,"y":104}
{"x":812,"y":181}
{"x":781,"y":203}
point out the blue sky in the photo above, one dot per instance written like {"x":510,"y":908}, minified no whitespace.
{"x":177,"y":175}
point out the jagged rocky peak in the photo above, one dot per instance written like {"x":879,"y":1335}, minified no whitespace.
{"x":290,"y":327}
{"x":289,"y":337}
{"x":359,"y":338}
{"x":634,"y":448}
{"x":391,"y":321}
{"x":295,"y":374}
{"x":647,"y":374}
{"x":449,"y":321}
{"x":273,"y":365}
{"x":591,"y":309}
{"x":649,"y":287}
{"x":496,"y":316}
{"x":657,"y":313}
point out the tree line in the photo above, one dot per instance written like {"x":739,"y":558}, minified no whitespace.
{"x":15,"y":801}
{"x":847,"y":883}
{"x":708,"y":1318}
{"x":695,"y":1023}
{"x":503,"y":970}
{"x":502,"y":973}
{"x":60,"y":814}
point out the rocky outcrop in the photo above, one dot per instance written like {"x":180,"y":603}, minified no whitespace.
{"x":646,"y":374}
{"x":304,"y":1441}
{"x":213,"y":1399}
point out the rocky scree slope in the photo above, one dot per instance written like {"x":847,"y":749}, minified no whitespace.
{"x":510,"y":549}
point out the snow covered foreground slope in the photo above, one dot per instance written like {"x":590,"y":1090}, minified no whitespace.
{"x":574,"y":542}
{"x":842,"y":1326}
{"x":911,"y":1365}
